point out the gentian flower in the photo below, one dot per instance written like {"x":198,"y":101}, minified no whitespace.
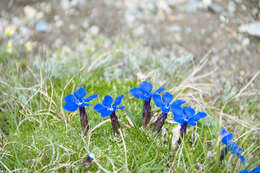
{"x":227,"y":140}
{"x":255,"y":170}
{"x":163,"y":102}
{"x":244,"y":171}
{"x":185,"y":116}
{"x":77,"y":100}
{"x":107,"y":108}
{"x":144,"y":92}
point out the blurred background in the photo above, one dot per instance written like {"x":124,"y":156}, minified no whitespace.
{"x":227,"y":30}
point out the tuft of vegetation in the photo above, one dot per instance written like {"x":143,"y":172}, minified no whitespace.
{"x":37,"y":135}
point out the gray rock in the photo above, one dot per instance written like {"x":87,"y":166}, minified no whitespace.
{"x":215,"y":8}
{"x":231,"y":7}
{"x":15,"y":20}
{"x":246,"y":42}
{"x":94,"y":30}
{"x":175,"y":28}
{"x":192,"y":6}
{"x":30,"y":12}
{"x":42,"y":26}
{"x":251,"y":28}
{"x":24,"y":31}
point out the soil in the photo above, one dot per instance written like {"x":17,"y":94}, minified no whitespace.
{"x":165,"y":26}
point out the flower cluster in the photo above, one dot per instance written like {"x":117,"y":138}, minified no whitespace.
{"x":144,"y":92}
{"x":184,"y":115}
{"x":107,"y":108}
{"x":255,"y":170}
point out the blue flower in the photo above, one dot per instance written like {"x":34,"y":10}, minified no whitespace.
{"x":144,"y":92}
{"x":227,"y":140}
{"x":107,"y":106}
{"x":244,"y":171}
{"x":163,"y":101}
{"x":76,"y":100}
{"x":185,"y":115}
{"x":255,"y":170}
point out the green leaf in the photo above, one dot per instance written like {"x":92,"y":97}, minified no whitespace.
{"x":132,"y":118}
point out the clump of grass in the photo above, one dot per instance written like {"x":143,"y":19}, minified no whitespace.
{"x":38,"y":135}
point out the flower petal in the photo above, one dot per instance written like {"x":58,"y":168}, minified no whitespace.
{"x":102,"y":110}
{"x":178,"y":119}
{"x":244,"y":171}
{"x":240,"y":150}
{"x":177,"y":114}
{"x":198,"y":116}
{"x":234,"y":148}
{"x":146,"y":86}
{"x":192,"y":123}
{"x":242,"y":158}
{"x":139,"y":93}
{"x":108,"y":100}
{"x":91,"y":98}
{"x":227,"y":139}
{"x":158,"y":91}
{"x":99,"y":107}
{"x":188,"y":111}
{"x":178,"y":102}
{"x":167,"y":98}
{"x":105,"y":113}
{"x":165,"y":110}
{"x":118,"y":100}
{"x":223,"y":132}
{"x":121,"y":107}
{"x":158,"y":100}
{"x":71,"y":107}
{"x":256,"y":170}
{"x":80,"y":93}
{"x":70,"y":99}
{"x":177,"y":110}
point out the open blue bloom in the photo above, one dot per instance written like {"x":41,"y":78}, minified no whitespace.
{"x":144,"y":92}
{"x":76,"y":100}
{"x":185,"y":115}
{"x":255,"y":170}
{"x":107,"y":106}
{"x":244,"y":171}
{"x":227,"y":140}
{"x":163,"y":102}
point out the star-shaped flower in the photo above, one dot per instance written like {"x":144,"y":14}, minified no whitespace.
{"x":163,"y":101}
{"x":107,"y":106}
{"x":186,"y":115}
{"x":144,"y":92}
{"x":76,"y":100}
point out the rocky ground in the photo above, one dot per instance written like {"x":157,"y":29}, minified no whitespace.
{"x":182,"y":27}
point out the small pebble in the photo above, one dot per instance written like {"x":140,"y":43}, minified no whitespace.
{"x":246,"y":42}
{"x":215,"y":8}
{"x":29,"y":12}
{"x":42,"y":26}
{"x":94,"y":30}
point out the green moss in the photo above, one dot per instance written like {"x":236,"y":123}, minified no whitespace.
{"x":41,"y":137}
